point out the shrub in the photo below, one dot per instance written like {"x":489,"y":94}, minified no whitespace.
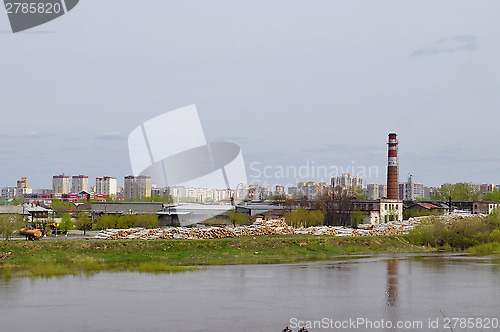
{"x":459,"y":234}
{"x":495,"y":236}
{"x":305,"y":218}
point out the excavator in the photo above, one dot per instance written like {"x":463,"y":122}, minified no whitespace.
{"x":31,"y":234}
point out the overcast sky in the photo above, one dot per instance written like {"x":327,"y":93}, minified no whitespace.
{"x":291,"y":82}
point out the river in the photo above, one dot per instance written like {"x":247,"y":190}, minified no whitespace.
{"x":375,"y":293}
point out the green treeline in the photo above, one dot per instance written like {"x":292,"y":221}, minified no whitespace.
{"x":464,"y":191}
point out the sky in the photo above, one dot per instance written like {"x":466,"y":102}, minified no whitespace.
{"x":294,"y":83}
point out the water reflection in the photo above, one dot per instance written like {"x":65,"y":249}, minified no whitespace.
{"x":256,"y":297}
{"x":392,"y":283}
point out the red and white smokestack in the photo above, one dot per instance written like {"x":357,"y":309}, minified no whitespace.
{"x":392,"y":167}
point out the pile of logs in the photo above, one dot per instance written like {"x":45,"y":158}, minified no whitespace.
{"x":259,"y":228}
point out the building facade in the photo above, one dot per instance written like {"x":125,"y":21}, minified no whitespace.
{"x":137,"y":186}
{"x":106,"y":186}
{"x":380,"y":211}
{"x":347,"y":181}
{"x":9,"y":193}
{"x":79,"y":183}
{"x":60,"y":185}
{"x":411,"y":191}
{"x":484,"y":207}
{"x":372,"y":191}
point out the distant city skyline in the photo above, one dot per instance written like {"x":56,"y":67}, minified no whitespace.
{"x":290,"y":82}
{"x":97,"y":183}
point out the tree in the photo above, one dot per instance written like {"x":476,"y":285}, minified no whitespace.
{"x":84,"y":222}
{"x":305,"y":218}
{"x":461,"y":191}
{"x":106,"y":221}
{"x":237,"y":218}
{"x":336,"y":206}
{"x":61,"y":207}
{"x":357,"y":217}
{"x":20,"y":200}
{"x":359,"y":193}
{"x":8,"y":224}
{"x":493,"y":196}
{"x":65,"y":225}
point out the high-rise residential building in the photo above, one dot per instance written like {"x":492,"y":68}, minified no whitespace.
{"x":60,"y":184}
{"x":376,"y":191}
{"x":106,"y":186}
{"x":23,"y":183}
{"x":279,"y":190}
{"x":382,"y":191}
{"x":137,"y":186}
{"x":22,"y":187}
{"x":347,"y":181}
{"x":411,"y":191}
{"x":293,"y":192}
{"x":309,"y":190}
{"x":79,"y":183}
{"x":429,"y":192}
{"x":487,"y":187}
{"x":9,"y":193}
{"x":372,"y":191}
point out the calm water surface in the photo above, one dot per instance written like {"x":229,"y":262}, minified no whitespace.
{"x":261,"y":297}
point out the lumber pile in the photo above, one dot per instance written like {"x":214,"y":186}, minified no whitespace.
{"x":259,"y":228}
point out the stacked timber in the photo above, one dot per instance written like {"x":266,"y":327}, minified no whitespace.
{"x":259,"y":228}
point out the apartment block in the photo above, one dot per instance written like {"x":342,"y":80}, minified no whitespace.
{"x":79,"y":183}
{"x":106,"y":185}
{"x":137,"y":186}
{"x":60,"y":184}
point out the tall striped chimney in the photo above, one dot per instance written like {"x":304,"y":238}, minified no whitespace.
{"x":392,"y":167}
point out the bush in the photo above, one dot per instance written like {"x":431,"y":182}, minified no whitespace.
{"x":495,"y":236}
{"x":106,"y":221}
{"x":459,"y":234}
{"x":493,"y":219}
{"x":238,"y":218}
{"x":305,"y":218}
{"x":431,"y":233}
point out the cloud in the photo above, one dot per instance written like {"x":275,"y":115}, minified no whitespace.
{"x":110,"y":136}
{"x":450,"y":45}
{"x":31,"y":134}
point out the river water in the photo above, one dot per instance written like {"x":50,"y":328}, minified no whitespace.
{"x":419,"y":292}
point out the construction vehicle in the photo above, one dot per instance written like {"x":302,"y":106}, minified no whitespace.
{"x":31,"y":234}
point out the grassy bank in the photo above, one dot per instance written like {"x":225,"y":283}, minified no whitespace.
{"x":56,"y":258}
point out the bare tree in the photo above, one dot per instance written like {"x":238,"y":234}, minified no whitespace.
{"x":336,"y":206}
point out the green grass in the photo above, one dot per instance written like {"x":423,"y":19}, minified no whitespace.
{"x":73,"y":257}
{"x":66,"y":257}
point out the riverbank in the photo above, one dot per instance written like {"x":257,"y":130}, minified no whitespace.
{"x":60,"y":257}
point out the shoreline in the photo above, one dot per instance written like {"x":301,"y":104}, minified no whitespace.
{"x":73,"y":257}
